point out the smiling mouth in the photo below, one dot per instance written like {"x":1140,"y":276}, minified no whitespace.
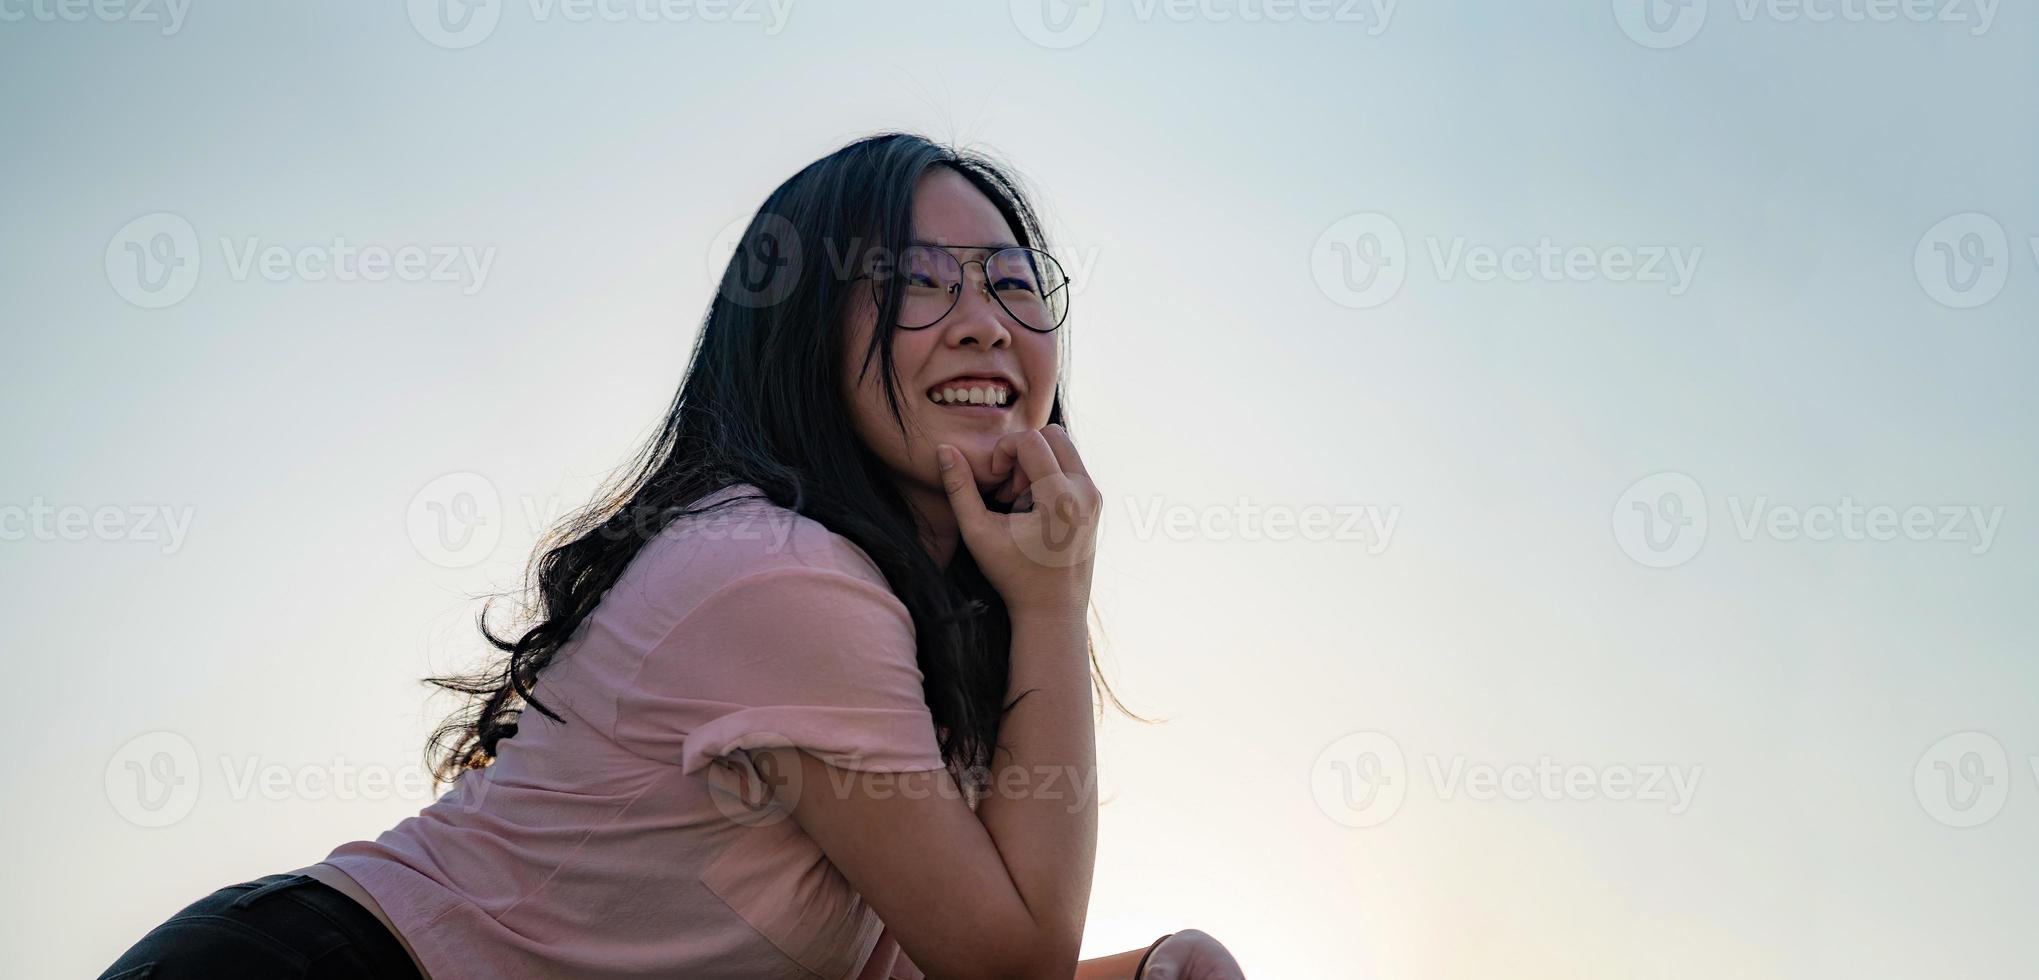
{"x":985,"y":394}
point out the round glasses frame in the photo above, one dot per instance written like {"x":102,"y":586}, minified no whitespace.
{"x":983,"y":273}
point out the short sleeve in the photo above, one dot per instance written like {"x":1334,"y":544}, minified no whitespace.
{"x":809,"y":656}
{"x":903,"y":968}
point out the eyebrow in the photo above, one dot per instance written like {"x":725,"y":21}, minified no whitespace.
{"x":984,"y":248}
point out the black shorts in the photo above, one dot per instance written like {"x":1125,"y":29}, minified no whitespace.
{"x":280,"y":925}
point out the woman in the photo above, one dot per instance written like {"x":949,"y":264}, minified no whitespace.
{"x":814,"y":682}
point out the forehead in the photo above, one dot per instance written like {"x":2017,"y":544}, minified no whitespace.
{"x":949,"y":210}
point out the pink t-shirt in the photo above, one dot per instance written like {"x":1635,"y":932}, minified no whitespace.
{"x":639,"y":838}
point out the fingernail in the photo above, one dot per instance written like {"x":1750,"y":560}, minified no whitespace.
{"x":942,"y":457}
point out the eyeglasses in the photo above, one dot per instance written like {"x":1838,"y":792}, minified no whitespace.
{"x":1027,"y":283}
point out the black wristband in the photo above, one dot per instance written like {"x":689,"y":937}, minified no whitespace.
{"x":1141,"y":970}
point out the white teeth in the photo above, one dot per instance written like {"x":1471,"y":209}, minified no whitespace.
{"x":994,"y":395}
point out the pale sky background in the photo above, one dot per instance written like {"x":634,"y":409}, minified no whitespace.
{"x":1199,"y":173}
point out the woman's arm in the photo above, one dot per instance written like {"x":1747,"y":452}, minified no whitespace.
{"x":1049,"y":753}
{"x":1008,"y":897}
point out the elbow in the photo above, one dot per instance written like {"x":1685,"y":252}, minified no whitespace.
{"x":1023,"y":949}
{"x":1053,"y":958}
{"x":1038,"y":968}
{"x":1044,"y":958}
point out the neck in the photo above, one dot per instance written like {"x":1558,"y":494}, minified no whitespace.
{"x":936,"y":519}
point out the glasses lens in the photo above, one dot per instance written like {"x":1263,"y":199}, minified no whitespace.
{"x":1030,"y":285}
{"x":929,"y":281}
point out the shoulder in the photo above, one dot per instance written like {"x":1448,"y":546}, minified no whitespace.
{"x":749,"y":600}
{"x":739,"y":539}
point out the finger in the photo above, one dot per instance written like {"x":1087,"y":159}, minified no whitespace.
{"x":1065,"y":449}
{"x":1011,"y":482}
{"x":1036,"y":459}
{"x":1004,"y":459}
{"x":960,"y":485}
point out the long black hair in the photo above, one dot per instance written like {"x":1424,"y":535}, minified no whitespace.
{"x":762,"y":404}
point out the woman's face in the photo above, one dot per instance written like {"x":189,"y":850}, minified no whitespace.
{"x":978,"y":345}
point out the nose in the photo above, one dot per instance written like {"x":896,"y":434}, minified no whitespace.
{"x":978,"y":320}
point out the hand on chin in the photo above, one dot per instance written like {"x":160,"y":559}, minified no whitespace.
{"x":1000,"y":479}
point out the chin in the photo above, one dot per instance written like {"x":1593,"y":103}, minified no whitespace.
{"x":976,"y":447}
